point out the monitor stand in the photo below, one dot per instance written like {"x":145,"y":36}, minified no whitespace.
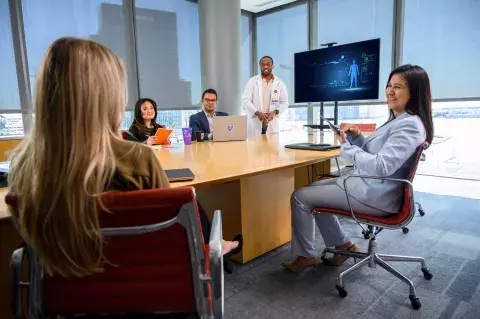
{"x":323,"y":126}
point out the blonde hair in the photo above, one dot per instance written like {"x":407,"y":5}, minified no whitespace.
{"x":69,"y":159}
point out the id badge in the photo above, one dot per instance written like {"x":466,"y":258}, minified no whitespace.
{"x":275,"y":97}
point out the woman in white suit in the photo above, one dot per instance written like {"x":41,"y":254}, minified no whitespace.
{"x":389,"y":152}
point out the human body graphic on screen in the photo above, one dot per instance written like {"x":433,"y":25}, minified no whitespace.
{"x":353,"y":72}
{"x":339,"y":73}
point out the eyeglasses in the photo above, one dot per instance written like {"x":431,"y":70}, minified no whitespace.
{"x":210,"y":101}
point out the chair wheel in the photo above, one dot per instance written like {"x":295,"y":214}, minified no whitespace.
{"x":416,"y":304}
{"x":427,"y":274}
{"x":405,"y":230}
{"x":421,"y":212}
{"x":341,"y":291}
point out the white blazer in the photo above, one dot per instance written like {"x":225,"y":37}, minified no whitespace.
{"x":389,"y":152}
{"x":252,"y":102}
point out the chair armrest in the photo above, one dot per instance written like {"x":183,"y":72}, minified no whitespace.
{"x":216,"y":264}
{"x":138,"y":230}
{"x":410,"y":189}
{"x":17,"y":284}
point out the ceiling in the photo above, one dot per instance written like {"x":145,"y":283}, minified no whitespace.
{"x":256,"y":6}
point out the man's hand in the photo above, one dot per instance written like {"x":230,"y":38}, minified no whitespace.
{"x":271,"y":115}
{"x":262,"y":116}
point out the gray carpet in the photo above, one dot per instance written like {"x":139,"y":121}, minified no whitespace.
{"x":448,"y":236}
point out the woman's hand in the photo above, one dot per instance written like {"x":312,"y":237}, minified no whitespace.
{"x":151,"y":140}
{"x":341,"y":138}
{"x":351,"y":130}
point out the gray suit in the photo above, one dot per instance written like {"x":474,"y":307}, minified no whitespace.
{"x":388,"y":152}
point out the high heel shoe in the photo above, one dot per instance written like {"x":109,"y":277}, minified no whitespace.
{"x":301,"y":263}
{"x":228,"y":264}
{"x":237,"y":250}
{"x":338,"y":260}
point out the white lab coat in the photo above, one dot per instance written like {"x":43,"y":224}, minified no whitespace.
{"x":252,"y":102}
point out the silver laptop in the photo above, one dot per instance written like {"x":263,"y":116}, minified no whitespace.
{"x":229,"y":128}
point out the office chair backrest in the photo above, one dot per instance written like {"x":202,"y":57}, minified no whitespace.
{"x":155,"y":260}
{"x":408,"y":208}
{"x":364,"y":127}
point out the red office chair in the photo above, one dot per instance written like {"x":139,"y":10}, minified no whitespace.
{"x":369,"y":127}
{"x":157,"y":262}
{"x":393,"y":221}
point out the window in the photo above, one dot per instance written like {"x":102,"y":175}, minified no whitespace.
{"x":11,"y":125}
{"x":377,"y":114}
{"x":128,"y":118}
{"x":443,"y":37}
{"x":280,"y":35}
{"x":101,"y":20}
{"x":451,"y":154}
{"x":9,"y":98}
{"x":293,"y":119}
{"x":168,"y":52}
{"x":246,"y":48}
{"x":352,"y":21}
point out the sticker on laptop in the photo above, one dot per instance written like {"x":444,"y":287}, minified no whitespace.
{"x":230,"y":127}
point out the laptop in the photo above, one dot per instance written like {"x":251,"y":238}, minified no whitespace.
{"x":229,"y":128}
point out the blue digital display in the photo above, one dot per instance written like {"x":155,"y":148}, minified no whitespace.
{"x":339,"y":73}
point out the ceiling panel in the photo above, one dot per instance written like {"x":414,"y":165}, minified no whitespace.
{"x":256,"y":6}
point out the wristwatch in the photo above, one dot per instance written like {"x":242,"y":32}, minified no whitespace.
{"x":276,"y":112}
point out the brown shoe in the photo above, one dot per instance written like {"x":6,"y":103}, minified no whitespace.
{"x":301,"y":263}
{"x":338,"y":260}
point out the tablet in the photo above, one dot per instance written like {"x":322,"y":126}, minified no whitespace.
{"x":332,"y":127}
{"x":162,"y":135}
{"x":336,"y":130}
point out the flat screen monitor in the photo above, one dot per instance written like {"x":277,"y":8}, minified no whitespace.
{"x":338,"y":73}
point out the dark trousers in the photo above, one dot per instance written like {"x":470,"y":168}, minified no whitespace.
{"x":264,"y":129}
{"x":205,"y":223}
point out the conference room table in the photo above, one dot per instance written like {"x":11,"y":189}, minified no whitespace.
{"x":249,"y":181}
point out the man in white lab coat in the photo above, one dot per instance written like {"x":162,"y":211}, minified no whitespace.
{"x":265,"y":97}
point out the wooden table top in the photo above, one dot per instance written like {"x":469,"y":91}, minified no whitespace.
{"x":225,"y":161}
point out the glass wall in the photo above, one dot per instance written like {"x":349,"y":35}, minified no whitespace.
{"x":443,"y":37}
{"x":349,"y":21}
{"x":100,"y":20}
{"x":246,"y":49}
{"x":168,"y":50}
{"x":9,"y":98}
{"x":280,"y":35}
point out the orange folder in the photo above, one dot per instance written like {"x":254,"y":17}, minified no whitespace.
{"x":162,"y":135}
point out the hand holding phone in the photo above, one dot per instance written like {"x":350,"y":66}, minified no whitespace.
{"x":337,"y":131}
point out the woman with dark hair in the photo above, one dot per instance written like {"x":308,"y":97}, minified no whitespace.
{"x":144,"y":125}
{"x":389,"y":152}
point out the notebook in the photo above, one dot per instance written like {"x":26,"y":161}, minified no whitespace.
{"x":162,"y":135}
{"x":179,"y":175}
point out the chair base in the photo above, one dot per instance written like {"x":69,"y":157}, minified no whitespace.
{"x":372,"y":259}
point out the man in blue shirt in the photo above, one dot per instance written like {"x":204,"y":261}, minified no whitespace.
{"x":203,"y":120}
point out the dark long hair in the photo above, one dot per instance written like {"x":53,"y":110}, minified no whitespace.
{"x":138,"y":121}
{"x":420,"y":102}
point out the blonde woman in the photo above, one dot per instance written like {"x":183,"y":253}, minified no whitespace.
{"x":75,"y":153}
